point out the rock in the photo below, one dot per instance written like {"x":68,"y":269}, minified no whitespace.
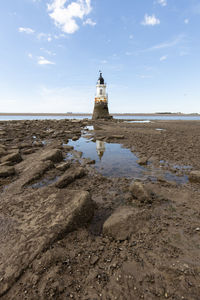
{"x":117,"y":136}
{"x":142,"y":161}
{"x":63,"y":166}
{"x":2,"y":152}
{"x":34,"y":172}
{"x":25,"y":145}
{"x":68,"y":147}
{"x":38,"y":144}
{"x":6,"y":171}
{"x":33,"y":222}
{"x":76,"y":121}
{"x":138,"y":190}
{"x":55,"y":155}
{"x":141,"y":193}
{"x":13,"y":158}
{"x":121,"y":223}
{"x":69,"y":176}
{"x":88,"y":161}
{"x":194,"y":176}
{"x":94,"y":260}
{"x":77,"y":154}
{"x":75,"y":138}
{"x":28,"y":151}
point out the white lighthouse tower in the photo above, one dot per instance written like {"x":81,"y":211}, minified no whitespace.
{"x":101,"y":95}
{"x":101,"y":100}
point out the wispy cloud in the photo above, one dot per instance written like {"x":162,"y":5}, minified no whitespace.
{"x":144,"y":76}
{"x":50,"y":53}
{"x":167,"y":44}
{"x":26,"y":30}
{"x":43,"y":61}
{"x":127,"y":53}
{"x":186,"y":21}
{"x":104,"y":61}
{"x":89,"y":22}
{"x":150,"y":20}
{"x":44,"y":36}
{"x":164,"y":57}
{"x":162,"y":2}
{"x":65,"y":16}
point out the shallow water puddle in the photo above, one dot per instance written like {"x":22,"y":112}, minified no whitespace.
{"x":111,"y":159}
{"x":115,"y":161}
{"x":143,"y":121}
{"x":160,"y":129}
{"x":42,"y":183}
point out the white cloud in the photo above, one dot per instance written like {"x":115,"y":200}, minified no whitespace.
{"x":164,"y":57}
{"x":162,"y":2}
{"x":44,"y":36}
{"x":89,"y":22}
{"x":186,"y":21}
{"x":43,"y":61}
{"x":150,"y":20}
{"x":30,"y":55}
{"x":65,"y":16}
{"x":26,"y":30}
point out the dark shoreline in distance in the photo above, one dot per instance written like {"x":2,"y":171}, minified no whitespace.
{"x":89,"y":114}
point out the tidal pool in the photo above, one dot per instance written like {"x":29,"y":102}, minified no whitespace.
{"x":115,"y":161}
{"x":111,"y":159}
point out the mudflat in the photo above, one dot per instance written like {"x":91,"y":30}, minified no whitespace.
{"x":67,"y":231}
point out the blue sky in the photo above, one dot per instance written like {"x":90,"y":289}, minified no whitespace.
{"x":51,"y":52}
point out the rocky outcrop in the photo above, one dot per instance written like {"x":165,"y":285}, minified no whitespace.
{"x":142,"y":161}
{"x":55,"y":155}
{"x":31,"y":222}
{"x":6,"y":171}
{"x":69,"y":176}
{"x":12,"y":158}
{"x":194,"y":176}
{"x":125,"y":221}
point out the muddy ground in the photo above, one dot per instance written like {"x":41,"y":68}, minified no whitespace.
{"x":68,"y":232}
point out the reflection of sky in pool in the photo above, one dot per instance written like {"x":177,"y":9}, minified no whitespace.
{"x":113,"y":160}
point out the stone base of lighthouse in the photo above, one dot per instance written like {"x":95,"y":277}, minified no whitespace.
{"x":101,"y":111}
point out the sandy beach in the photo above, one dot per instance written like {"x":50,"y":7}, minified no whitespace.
{"x":67,"y":231}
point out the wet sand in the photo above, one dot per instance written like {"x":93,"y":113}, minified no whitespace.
{"x":69,"y":232}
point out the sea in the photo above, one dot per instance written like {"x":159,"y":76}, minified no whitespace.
{"x":124,"y":117}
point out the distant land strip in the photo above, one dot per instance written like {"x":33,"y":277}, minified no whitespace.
{"x":89,"y":114}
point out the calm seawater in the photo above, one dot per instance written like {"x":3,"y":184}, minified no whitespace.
{"x":133,"y":117}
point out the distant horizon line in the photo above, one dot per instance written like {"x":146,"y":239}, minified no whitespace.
{"x":89,"y":114}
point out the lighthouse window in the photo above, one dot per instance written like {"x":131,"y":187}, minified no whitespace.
{"x":101,"y":92}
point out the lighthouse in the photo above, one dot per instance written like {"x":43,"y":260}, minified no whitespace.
{"x":101,"y":100}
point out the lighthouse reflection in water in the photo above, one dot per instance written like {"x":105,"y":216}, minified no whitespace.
{"x":100,"y":146}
